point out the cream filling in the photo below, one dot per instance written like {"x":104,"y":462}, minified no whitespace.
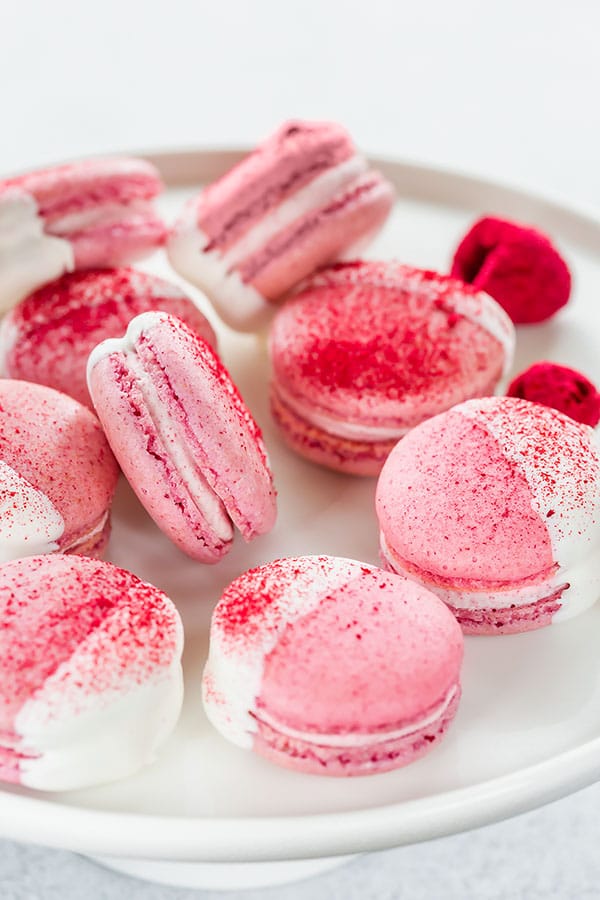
{"x":30,"y":524}
{"x":28,"y":256}
{"x":168,"y":429}
{"x":349,"y":430}
{"x":99,"y":215}
{"x":83,"y":539}
{"x":583,"y":579}
{"x":359,"y":738}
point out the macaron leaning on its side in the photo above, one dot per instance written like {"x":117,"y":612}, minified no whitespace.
{"x":90,"y":682}
{"x":367,"y":350}
{"x":57,"y":474}
{"x":182,"y":435}
{"x":495,"y":507}
{"x":333,"y":667}
{"x":81,"y":215}
{"x":302,"y":199}
{"x":48,"y":337}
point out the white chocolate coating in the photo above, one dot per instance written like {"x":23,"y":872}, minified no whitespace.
{"x":28,"y":256}
{"x":30,"y":524}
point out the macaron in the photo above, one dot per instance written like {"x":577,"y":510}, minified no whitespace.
{"x":183,"y":436}
{"x":495,"y":507}
{"x":331,"y":666}
{"x":57,"y":474}
{"x":368,"y":350}
{"x":48,"y":337}
{"x":515,"y":264}
{"x":302,"y":199}
{"x":562,"y":388}
{"x":90,"y":682}
{"x":82,"y":215}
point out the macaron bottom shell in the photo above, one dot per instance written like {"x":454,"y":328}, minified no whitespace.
{"x":373,"y":757}
{"x":326,"y":449}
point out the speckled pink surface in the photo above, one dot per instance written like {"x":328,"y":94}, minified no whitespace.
{"x":50,"y":607}
{"x":58,"y":446}
{"x":354,"y":655}
{"x":375,"y":345}
{"x":207,"y":419}
{"x":48,"y":337}
{"x":462,"y":512}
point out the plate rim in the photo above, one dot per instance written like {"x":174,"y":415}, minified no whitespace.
{"x":256,"y":839}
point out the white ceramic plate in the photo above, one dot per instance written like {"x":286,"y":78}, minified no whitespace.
{"x":528,"y":729}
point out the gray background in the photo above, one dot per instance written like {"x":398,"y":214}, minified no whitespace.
{"x":506,"y":90}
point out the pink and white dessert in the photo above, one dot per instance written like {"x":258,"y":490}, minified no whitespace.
{"x":302,"y":199}
{"x":368,"y":350}
{"x":495,"y":507}
{"x":90,"y":682}
{"x":331,"y":666}
{"x":57,"y":474}
{"x":182,"y":435}
{"x":48,"y":337}
{"x":82,"y":215}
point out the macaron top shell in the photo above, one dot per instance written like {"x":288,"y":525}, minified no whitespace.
{"x":48,"y":337}
{"x":75,"y":631}
{"x":293,"y":156}
{"x":494,"y":491}
{"x":330,"y":646}
{"x":74,"y":187}
{"x":59,"y":448}
{"x":386,"y":345}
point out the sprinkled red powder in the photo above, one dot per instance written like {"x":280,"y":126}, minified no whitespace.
{"x":52,"y":606}
{"x":561,"y":388}
{"x":517,"y":265}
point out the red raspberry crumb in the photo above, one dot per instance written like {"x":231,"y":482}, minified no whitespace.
{"x":561,"y":388}
{"x":516,"y":265}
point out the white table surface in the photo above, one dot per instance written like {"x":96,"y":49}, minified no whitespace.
{"x":504,"y":90}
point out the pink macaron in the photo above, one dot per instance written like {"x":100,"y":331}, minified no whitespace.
{"x":368,"y":350}
{"x":90,"y":682}
{"x":48,"y":337}
{"x":98,"y":212}
{"x":495,"y":507}
{"x":302,"y":199}
{"x":182,"y":435}
{"x":331,"y":666}
{"x":57,"y":474}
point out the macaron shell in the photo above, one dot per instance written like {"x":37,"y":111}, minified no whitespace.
{"x":453,"y":507}
{"x":58,"y":446}
{"x":48,"y":337}
{"x":376,"y":655}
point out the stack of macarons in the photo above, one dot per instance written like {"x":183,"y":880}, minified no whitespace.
{"x":488,"y":506}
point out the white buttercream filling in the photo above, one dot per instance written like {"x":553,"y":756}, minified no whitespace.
{"x":84,"y":538}
{"x":168,"y":429}
{"x":99,"y":215}
{"x":30,"y":524}
{"x":350,"y":430}
{"x":28,"y":256}
{"x":358,"y":738}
